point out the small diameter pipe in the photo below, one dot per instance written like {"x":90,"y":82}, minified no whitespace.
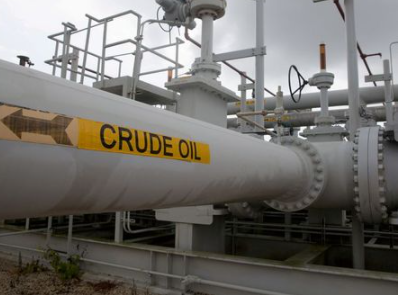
{"x":388,"y":93}
{"x":207,"y":38}
{"x":324,"y":103}
{"x":322,"y":49}
{"x":324,"y":90}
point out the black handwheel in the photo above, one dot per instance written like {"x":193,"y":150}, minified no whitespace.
{"x":302,"y":83}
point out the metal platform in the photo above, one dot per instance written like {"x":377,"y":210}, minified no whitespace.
{"x":183,"y":271}
{"x":146,"y":93}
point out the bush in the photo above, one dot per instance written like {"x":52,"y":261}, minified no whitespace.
{"x":66,"y":270}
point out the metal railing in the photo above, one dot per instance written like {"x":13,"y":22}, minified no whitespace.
{"x":66,"y":56}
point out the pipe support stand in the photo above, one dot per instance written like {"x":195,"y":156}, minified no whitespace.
{"x":305,"y":194}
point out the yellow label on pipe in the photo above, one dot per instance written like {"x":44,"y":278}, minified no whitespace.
{"x":21,"y":124}
{"x":115,"y":139}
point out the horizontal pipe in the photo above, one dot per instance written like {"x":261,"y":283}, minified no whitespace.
{"x":369,"y":95}
{"x":62,"y":180}
{"x":305,"y":118}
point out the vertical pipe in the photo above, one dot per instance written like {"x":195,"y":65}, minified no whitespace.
{"x":177,"y":58}
{"x":86,"y":51}
{"x":358,"y":247}
{"x":207,"y":38}
{"x":324,"y":102}
{"x":70,"y":233}
{"x":352,"y":65}
{"x":259,"y":119}
{"x":358,"y":243}
{"x":388,"y":93}
{"x":243,"y":100}
{"x":104,"y":52}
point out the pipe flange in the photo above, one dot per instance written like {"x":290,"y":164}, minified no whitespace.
{"x":216,"y":8}
{"x":370,"y":201}
{"x":301,"y":197}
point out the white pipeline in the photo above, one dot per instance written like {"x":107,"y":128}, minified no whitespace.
{"x":53,"y":179}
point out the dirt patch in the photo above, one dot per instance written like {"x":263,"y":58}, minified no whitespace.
{"x":12,"y":282}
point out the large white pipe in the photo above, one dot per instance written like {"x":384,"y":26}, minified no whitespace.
{"x":47,"y":180}
{"x":369,"y":95}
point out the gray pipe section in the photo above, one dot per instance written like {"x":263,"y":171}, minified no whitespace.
{"x":391,"y":172}
{"x":308,"y":118}
{"x":369,"y":95}
{"x":339,"y":190}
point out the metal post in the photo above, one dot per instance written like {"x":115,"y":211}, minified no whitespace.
{"x":27,"y":224}
{"x":358,"y":243}
{"x":288,"y":222}
{"x":65,"y":53}
{"x":104,"y":52}
{"x":49,"y":229}
{"x":86,"y":51}
{"x":98,"y":69}
{"x":352,"y":65}
{"x":120,"y":69}
{"x":118,"y":227}
{"x":259,"y":119}
{"x":75,"y":65}
{"x":137,"y":67}
{"x":70,"y":233}
{"x":207,"y":38}
{"x":388,"y":93}
{"x":54,"y":57}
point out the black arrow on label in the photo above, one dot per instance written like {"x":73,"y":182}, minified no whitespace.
{"x":55,"y":128}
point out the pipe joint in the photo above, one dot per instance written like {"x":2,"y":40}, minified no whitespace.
{"x":305,"y":193}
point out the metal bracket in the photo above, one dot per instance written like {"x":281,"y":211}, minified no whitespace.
{"x":240,"y":54}
{"x":245,"y":87}
{"x":378,"y":78}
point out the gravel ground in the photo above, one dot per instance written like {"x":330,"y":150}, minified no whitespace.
{"x":47,"y":283}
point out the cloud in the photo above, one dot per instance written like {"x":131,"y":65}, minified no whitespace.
{"x":293,"y":31}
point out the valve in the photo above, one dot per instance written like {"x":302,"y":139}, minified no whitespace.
{"x":177,"y":11}
{"x":301,"y":81}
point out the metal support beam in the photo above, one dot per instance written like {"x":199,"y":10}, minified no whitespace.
{"x":70,"y":233}
{"x":261,"y":276}
{"x":352,"y":66}
{"x":240,"y":54}
{"x":358,"y":243}
{"x":259,"y":119}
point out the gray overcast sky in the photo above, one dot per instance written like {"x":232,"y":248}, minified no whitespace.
{"x":294,"y":29}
